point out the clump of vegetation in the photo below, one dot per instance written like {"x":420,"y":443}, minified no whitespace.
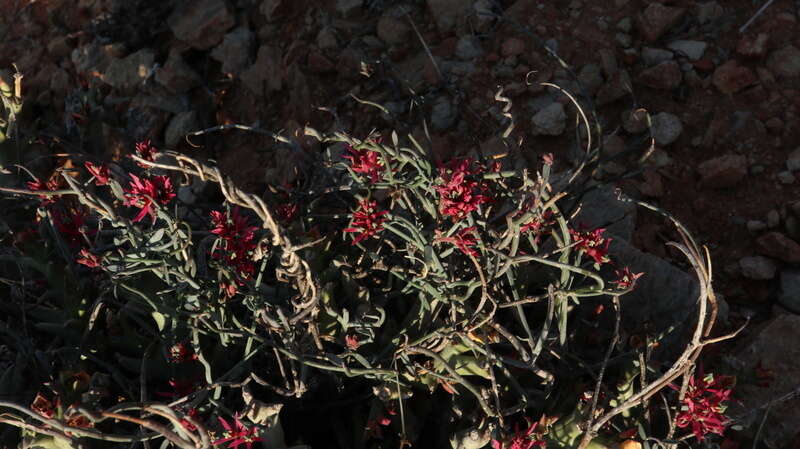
{"x":387,"y":301}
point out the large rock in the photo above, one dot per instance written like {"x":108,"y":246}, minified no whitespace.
{"x":759,"y":268}
{"x":202,"y":23}
{"x":772,"y":350}
{"x":550,"y":121}
{"x":265,"y":75}
{"x":393,"y":30}
{"x":234,"y":51}
{"x":179,"y":126}
{"x":604,"y":207}
{"x":656,"y":19}
{"x":131,"y":70}
{"x":448,"y":13}
{"x":653,"y":56}
{"x":785,"y":62}
{"x":789,"y":294}
{"x":724,"y":171}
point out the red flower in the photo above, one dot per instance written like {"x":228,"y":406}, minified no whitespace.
{"x":100,"y":173}
{"x":89,"y":259}
{"x":40,"y":186}
{"x":626,"y":280}
{"x":180,"y":388}
{"x":463,"y":240}
{"x":194,"y":414}
{"x":180,"y":353}
{"x":237,"y":435}
{"x":547,"y":158}
{"x":146,"y":151}
{"x":352,"y":342}
{"x":44,"y":406}
{"x":232,"y":226}
{"x":71,"y":225}
{"x":143,"y":192}
{"x":460,"y":196}
{"x":366,"y":162}
{"x":373,"y":429}
{"x":702,"y":408}
{"x":286,"y":212}
{"x":366,"y":220}
{"x":592,"y":244}
{"x":521,"y":440}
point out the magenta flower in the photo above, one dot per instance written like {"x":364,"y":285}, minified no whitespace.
{"x":367,"y":221}
{"x":365,"y":162}
{"x":238,"y":434}
{"x":100,"y":173}
{"x":592,"y":244}
{"x":41,"y":186}
{"x":239,"y":237}
{"x":144,"y":192}
{"x":464,"y":240}
{"x":521,"y":440}
{"x":71,"y":225}
{"x":352,"y":342}
{"x":702,"y":407}
{"x":625,"y":279}
{"x":459,"y":196}
{"x":89,"y":259}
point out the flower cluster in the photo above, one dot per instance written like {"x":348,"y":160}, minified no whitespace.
{"x":464,"y":240}
{"x":625,"y":279}
{"x":459,"y":193}
{"x":100,"y":173}
{"x":237,"y":434}
{"x":365,"y":162}
{"x":239,"y":239}
{"x":144,"y":192}
{"x":42,"y":186}
{"x":522,"y":439}
{"x":367,"y":221}
{"x":146,"y":151}
{"x":702,"y":409}
{"x":593,"y":244}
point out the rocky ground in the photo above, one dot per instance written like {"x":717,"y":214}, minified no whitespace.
{"x":100,"y":74}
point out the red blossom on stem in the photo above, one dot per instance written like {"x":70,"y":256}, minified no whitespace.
{"x":237,"y":434}
{"x":40,"y":186}
{"x":373,"y":428}
{"x":367,"y":221}
{"x":464,"y":240}
{"x":625,"y":279}
{"x":240,"y":239}
{"x":352,"y":342}
{"x":232,"y":226}
{"x":702,"y":409}
{"x":194,"y":414}
{"x":365,"y":162}
{"x":100,"y":173}
{"x":146,"y":151}
{"x":181,"y":352}
{"x":521,"y":439}
{"x":144,"y":192}
{"x":71,"y":225}
{"x":592,"y":244}
{"x":459,"y":195}
{"x":89,"y":259}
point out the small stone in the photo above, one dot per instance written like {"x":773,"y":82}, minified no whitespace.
{"x":666,"y":128}
{"x":469,"y":47}
{"x":550,"y":121}
{"x":652,"y":56}
{"x":756,"y":226}
{"x":779,"y":246}
{"x":775,"y":124}
{"x":443,"y":113}
{"x":234,"y":51}
{"x":590,"y":76}
{"x":269,"y":7}
{"x":730,"y":77}
{"x":664,"y":76}
{"x":180,"y":125}
{"x":319,"y":63}
{"x":757,"y":169}
{"x":393,"y":31}
{"x":785,"y":62}
{"x":753,"y":46}
{"x":657,"y":19}
{"x":624,"y":40}
{"x":447,"y":13}
{"x":723,"y":172}
{"x":759,"y":268}
{"x":326,"y":39}
{"x":265,"y":73}
{"x":773,"y":218}
{"x":176,"y":75}
{"x":617,"y":87}
{"x":625,"y":25}
{"x":201,"y":23}
{"x":709,"y":11}
{"x":634,"y":122}
{"x":59,"y":47}
{"x":130,"y":71}
{"x":793,"y":161}
{"x":513,"y":46}
{"x":789,"y":295}
{"x":693,"y":50}
{"x":786,"y":177}
{"x":348,"y":8}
